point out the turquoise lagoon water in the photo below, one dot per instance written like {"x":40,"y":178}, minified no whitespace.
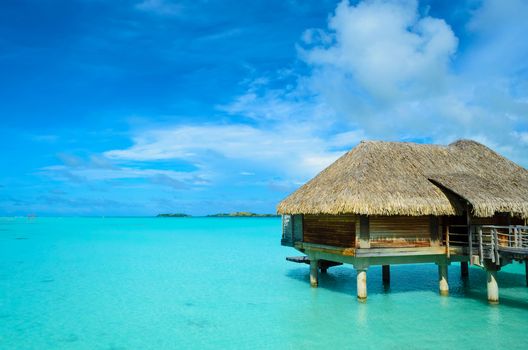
{"x":223,"y":283}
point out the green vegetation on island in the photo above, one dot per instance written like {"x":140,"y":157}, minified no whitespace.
{"x":175,"y":215}
{"x":242,"y":214}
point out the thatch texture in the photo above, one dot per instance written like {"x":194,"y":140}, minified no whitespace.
{"x":399,"y":178}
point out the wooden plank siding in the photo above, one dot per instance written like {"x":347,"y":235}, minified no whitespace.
{"x":331,"y":230}
{"x":400,"y":231}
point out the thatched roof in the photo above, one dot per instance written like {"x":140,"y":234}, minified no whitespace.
{"x":400,"y":178}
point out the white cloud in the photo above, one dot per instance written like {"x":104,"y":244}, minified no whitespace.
{"x":384,"y":71}
{"x":286,"y":148}
{"x":386,"y":49}
{"x":522,"y":136}
{"x":381,"y":71}
{"x":89,"y":174}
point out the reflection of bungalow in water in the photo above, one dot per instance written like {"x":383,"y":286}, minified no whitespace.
{"x":387,"y":203}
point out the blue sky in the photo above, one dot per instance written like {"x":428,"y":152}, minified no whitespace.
{"x":141,"y":107}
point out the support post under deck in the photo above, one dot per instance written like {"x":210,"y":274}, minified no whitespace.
{"x":493,"y":287}
{"x":443,"y":285}
{"x":361,"y":284}
{"x":314,"y":269}
{"x":385,"y":272}
{"x":464,"y":269}
{"x":526,"y":271}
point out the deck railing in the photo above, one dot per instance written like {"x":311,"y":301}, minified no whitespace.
{"x":491,"y":241}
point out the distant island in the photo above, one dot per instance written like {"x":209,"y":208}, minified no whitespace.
{"x":242,"y":214}
{"x":175,"y":215}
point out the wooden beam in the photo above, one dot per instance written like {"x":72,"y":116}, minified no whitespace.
{"x":378,"y":252}
{"x":327,"y":249}
{"x":434,"y":231}
{"x":448,"y":252}
{"x":469,"y":232}
{"x":364,"y":232}
{"x":426,"y":257}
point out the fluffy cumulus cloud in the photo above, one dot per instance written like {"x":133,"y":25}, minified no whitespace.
{"x":380,"y":69}
{"x":390,"y":72}
{"x":292,"y":149}
{"x":383,"y":70}
{"x":385,"y":50}
{"x":387,"y":71}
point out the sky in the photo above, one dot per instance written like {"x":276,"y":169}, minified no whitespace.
{"x":156,"y":106}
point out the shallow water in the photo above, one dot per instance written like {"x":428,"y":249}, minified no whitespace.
{"x":223,"y":283}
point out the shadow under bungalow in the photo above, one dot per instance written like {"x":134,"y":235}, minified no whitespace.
{"x":385,"y":203}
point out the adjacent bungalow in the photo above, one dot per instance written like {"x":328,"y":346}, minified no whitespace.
{"x":386,"y":203}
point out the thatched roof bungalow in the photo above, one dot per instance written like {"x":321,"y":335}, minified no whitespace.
{"x":402,"y":178}
{"x":405,"y":200}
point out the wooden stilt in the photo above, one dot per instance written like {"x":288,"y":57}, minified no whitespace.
{"x":314,"y":268}
{"x":385,"y":272}
{"x":526,"y":271}
{"x":493,"y":287}
{"x":464,"y":269}
{"x":362,"y":284}
{"x":443,"y":285}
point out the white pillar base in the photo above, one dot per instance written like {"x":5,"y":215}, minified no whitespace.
{"x":443,"y":284}
{"x":493,"y":287}
{"x":314,"y":269}
{"x":362,"y":284}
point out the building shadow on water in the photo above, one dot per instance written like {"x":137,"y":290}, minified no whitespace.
{"x":419,"y":278}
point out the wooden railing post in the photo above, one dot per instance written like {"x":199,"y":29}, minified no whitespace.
{"x":492,"y":246}
{"x":496,"y":251}
{"x":470,"y":241}
{"x":481,"y":249}
{"x":448,"y":253}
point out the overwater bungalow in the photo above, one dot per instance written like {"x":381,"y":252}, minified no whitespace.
{"x":385,"y":203}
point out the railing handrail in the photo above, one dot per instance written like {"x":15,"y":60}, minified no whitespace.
{"x":495,"y":237}
{"x":502,"y":226}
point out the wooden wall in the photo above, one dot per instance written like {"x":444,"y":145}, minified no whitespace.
{"x":400,"y":231}
{"x":292,"y":230}
{"x":333,"y":230}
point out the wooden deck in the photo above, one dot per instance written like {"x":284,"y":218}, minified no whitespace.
{"x":323,"y":264}
{"x":487,"y":246}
